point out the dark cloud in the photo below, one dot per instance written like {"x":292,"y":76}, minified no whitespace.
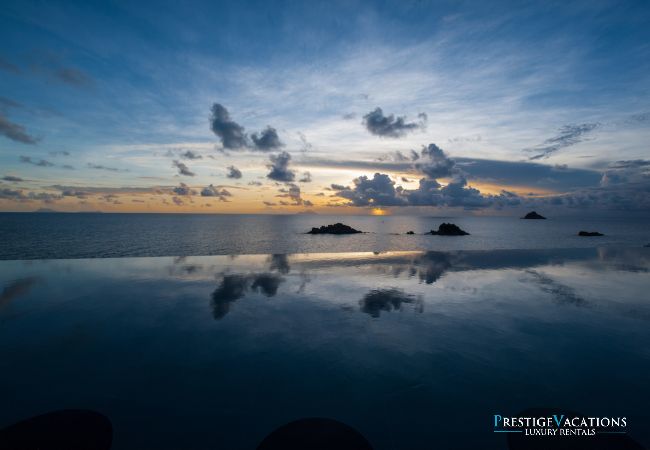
{"x":267,"y":139}
{"x":182,"y":168}
{"x":60,"y":153}
{"x":568,"y":135}
{"x":280,"y":168}
{"x":102,"y":167}
{"x":189,"y":154}
{"x":183,"y":189}
{"x":386,"y":300}
{"x":211,"y":191}
{"x":292,"y":192}
{"x":19,"y":195}
{"x":232,"y":134}
{"x":254,"y":183}
{"x":39,"y":163}
{"x":390,"y":126}
{"x":75,"y":193}
{"x":12,"y":178}
{"x":269,"y":203}
{"x":433,"y":163}
{"x":377,"y":191}
{"x":15,"y":132}
{"x":234,"y":173}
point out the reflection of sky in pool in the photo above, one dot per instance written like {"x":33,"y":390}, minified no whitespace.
{"x":411,"y":349}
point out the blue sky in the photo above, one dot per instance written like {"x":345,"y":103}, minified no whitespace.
{"x":527,"y":105}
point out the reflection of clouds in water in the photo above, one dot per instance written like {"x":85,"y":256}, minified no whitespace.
{"x":234,"y":287}
{"x":560,"y":292}
{"x":378,"y":300}
{"x":431,"y":265}
{"x":625,"y":259}
{"x":279,"y":262}
{"x":16,"y":289}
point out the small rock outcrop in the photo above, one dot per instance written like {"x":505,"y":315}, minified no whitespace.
{"x":449,"y":229}
{"x":337,"y":228}
{"x":410,"y":232}
{"x":590,"y":233}
{"x":533,"y":215}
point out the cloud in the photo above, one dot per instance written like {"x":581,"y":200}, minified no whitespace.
{"x":377,"y":191}
{"x":211,"y":191}
{"x":292,"y":192}
{"x":280,"y":168}
{"x":267,"y":140}
{"x":390,"y":126}
{"x":15,"y":132}
{"x":182,"y":168}
{"x":39,"y":163}
{"x":234,"y":173}
{"x":306,"y":178}
{"x":433,"y":163}
{"x":183,"y":189}
{"x":74,"y":193}
{"x":232,"y":134}
{"x":568,"y":135}
{"x":12,"y":178}
{"x":19,"y":195}
{"x":189,"y":154}
{"x":102,"y":167}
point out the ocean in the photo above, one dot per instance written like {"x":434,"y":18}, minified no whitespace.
{"x":414,"y":350}
{"x":82,"y":235}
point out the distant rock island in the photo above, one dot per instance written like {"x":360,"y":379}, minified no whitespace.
{"x":590,"y":233}
{"x":449,"y":229}
{"x":533,"y":215}
{"x":410,"y":232}
{"x":337,"y":228}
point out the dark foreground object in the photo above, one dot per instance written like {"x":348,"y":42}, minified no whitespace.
{"x":337,"y":228}
{"x":449,"y":229}
{"x":590,"y":233}
{"x":518,"y":441}
{"x":533,"y":215}
{"x":315,"y":434}
{"x":72,"y":429}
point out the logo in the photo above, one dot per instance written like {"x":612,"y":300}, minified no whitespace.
{"x":559,"y":424}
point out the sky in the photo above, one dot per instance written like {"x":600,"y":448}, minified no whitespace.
{"x":350,"y":107}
